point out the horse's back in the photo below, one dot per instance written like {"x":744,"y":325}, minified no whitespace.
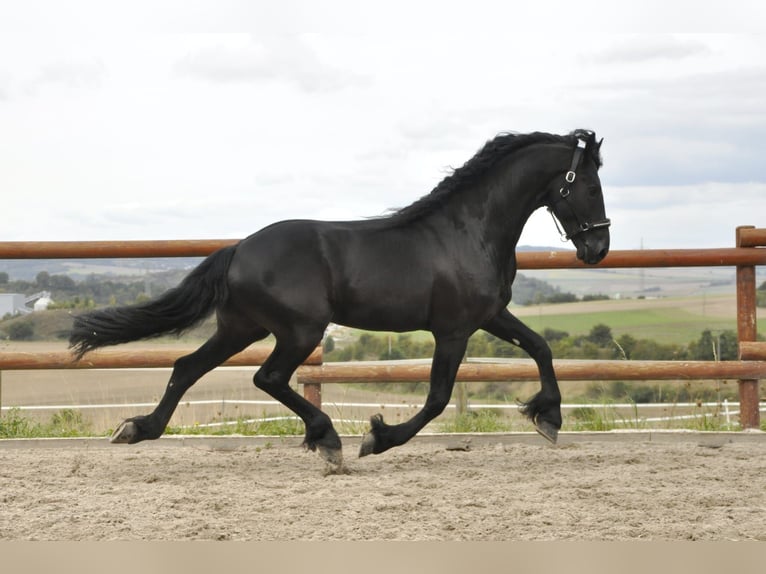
{"x":357,"y":273}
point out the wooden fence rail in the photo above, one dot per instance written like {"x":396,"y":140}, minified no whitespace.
{"x":129,"y":359}
{"x":751,"y":367}
{"x":746,"y":254}
{"x":526,"y":370}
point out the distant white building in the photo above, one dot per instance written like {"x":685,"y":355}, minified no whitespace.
{"x":16,"y":303}
{"x":12,"y":304}
{"x":42,"y":303}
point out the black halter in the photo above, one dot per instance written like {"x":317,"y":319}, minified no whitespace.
{"x":565,"y":191}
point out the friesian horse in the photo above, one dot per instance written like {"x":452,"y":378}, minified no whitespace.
{"x":444,"y":264}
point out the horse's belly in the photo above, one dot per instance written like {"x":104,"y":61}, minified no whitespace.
{"x":383,"y":308}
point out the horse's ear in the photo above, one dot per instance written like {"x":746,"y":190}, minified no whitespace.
{"x":598,"y":146}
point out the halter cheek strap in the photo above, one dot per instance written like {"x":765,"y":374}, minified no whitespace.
{"x":571,"y":175}
{"x":566,"y":190}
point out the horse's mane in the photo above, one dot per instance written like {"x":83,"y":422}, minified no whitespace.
{"x":475,"y":168}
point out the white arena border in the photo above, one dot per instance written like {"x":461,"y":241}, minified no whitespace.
{"x":450,"y":441}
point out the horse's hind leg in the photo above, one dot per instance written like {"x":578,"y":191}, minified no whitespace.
{"x":186,"y":371}
{"x":544,"y":409}
{"x":274,"y":378}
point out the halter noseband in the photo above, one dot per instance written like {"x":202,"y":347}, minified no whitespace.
{"x":566,"y":190}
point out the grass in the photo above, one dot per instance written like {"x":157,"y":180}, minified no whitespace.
{"x":604,"y":418}
{"x":476,"y":422}
{"x":607,"y":418}
{"x":65,"y":423}
{"x":282,"y":426}
{"x":69,"y":423}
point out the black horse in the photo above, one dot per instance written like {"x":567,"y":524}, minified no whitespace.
{"x":444,"y":264}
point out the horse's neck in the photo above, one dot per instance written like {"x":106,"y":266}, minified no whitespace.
{"x":503,"y":202}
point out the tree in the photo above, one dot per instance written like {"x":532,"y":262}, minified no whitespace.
{"x":722,"y":346}
{"x":627,"y":343}
{"x":62,"y":283}
{"x":600,"y":335}
{"x":43,"y":280}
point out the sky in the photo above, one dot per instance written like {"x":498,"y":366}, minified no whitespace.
{"x":192,"y":120}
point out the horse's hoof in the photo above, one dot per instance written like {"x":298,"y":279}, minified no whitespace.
{"x":368,"y":445}
{"x":547,"y":430}
{"x":126,"y":433}
{"x":332,"y":456}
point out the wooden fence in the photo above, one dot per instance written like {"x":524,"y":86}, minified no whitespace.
{"x":748,"y":370}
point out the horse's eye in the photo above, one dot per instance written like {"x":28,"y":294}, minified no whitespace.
{"x":594,"y":191}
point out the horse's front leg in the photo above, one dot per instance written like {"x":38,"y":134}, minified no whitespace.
{"x":447,"y":357}
{"x":544,"y":409}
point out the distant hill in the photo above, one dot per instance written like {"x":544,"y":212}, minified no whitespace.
{"x":615,"y":283}
{"x":78,"y":269}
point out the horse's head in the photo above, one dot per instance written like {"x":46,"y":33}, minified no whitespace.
{"x":575,"y":199}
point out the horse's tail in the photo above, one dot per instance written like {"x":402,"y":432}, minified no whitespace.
{"x":175,"y":311}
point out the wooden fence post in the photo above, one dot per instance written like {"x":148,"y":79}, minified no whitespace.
{"x":749,"y":415}
{"x":461,"y":394}
{"x":312,"y":392}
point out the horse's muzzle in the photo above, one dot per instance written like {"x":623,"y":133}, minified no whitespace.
{"x":592,"y":246}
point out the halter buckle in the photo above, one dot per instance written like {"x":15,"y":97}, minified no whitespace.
{"x":570,"y":176}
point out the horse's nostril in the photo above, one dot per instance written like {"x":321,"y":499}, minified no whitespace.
{"x":603,"y":253}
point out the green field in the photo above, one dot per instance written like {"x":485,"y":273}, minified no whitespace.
{"x":669,"y":320}
{"x":674,"y":325}
{"x":676,"y":320}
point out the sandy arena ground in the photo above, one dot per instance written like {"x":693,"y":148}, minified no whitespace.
{"x":651,"y":486}
{"x":610,"y":486}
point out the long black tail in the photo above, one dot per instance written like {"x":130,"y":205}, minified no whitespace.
{"x":174,"y":311}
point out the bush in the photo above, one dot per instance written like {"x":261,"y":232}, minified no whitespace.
{"x":21,"y":331}
{"x":553,"y":335}
{"x":13,"y":425}
{"x":69,"y":422}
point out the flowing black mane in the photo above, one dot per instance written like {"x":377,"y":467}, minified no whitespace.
{"x":475,"y":168}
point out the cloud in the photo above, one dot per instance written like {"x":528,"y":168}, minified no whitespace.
{"x":687,"y":216}
{"x":684,"y":127}
{"x":647,"y":49}
{"x":72,"y":74}
{"x":270,"y":59}
{"x":708,"y":196}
